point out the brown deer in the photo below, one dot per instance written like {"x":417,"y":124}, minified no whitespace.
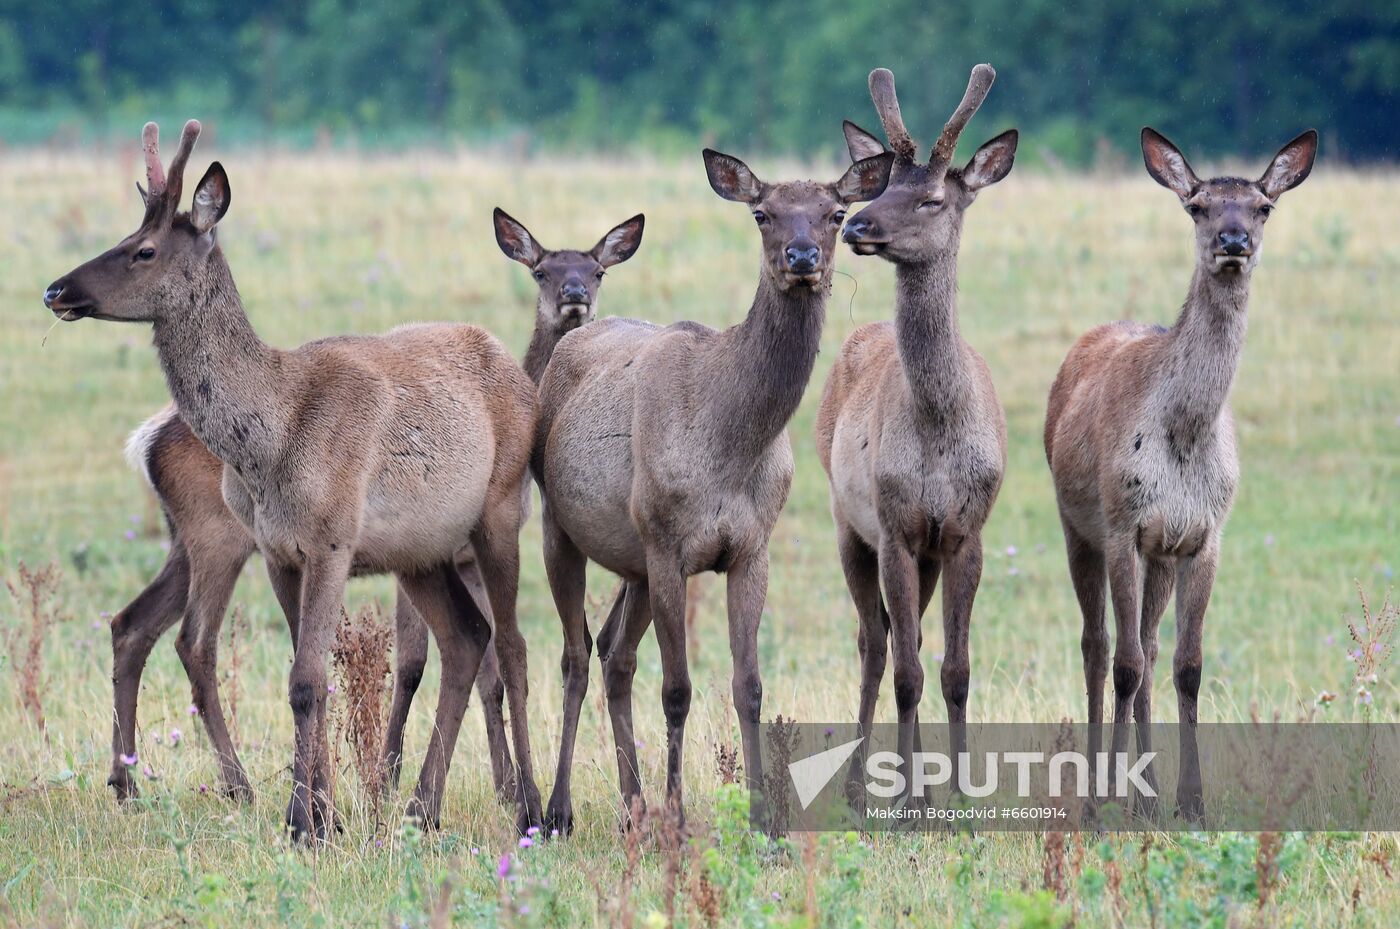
{"x":209,"y":546}
{"x":1141,"y":444}
{"x":662,"y":453}
{"x":910,"y":431}
{"x":361,"y":454}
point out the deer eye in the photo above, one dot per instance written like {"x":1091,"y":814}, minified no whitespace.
{"x":1266,"y":209}
{"x":760,"y":217}
{"x":598,"y":276}
{"x":838,"y":217}
{"x":539,"y":275}
{"x":146,"y":254}
{"x":932,"y":203}
{"x":1195,"y":209}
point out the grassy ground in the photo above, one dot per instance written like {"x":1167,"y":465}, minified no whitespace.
{"x":337,"y":245}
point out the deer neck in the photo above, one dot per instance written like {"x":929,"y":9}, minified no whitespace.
{"x":223,"y":378}
{"x":543,"y":341}
{"x":1206,"y":345}
{"x":926,"y":330}
{"x":757,"y":371}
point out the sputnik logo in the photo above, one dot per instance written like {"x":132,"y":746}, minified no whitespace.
{"x":814,"y":772}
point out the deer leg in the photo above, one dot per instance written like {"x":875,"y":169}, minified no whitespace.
{"x":747,"y":588}
{"x":667,"y":585}
{"x":1195,"y":580}
{"x":491,"y":690}
{"x":862,"y":570}
{"x":566,"y":567}
{"x":899,"y":576}
{"x":619,"y":668}
{"x":613,"y":625}
{"x":462,"y":635}
{"x":1125,"y":586}
{"x":134,"y":633}
{"x":1088,"y":572}
{"x":213,"y":574}
{"x":1159,"y":577}
{"x":324,"y":574}
{"x":497,"y":546}
{"x":286,"y":587}
{"x":929,"y":571}
{"x":410,"y":658}
{"x":962,"y":574}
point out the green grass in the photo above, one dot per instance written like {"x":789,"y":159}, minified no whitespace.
{"x":336,"y":244}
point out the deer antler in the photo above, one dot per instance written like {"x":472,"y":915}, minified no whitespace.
{"x":977,"y":87}
{"x":188,"y":135}
{"x":165,"y":188}
{"x":887,"y":105}
{"x":155,"y":174}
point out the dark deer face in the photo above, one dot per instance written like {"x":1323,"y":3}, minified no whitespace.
{"x":798,"y":220}
{"x":1229,"y":212}
{"x":921,"y":210}
{"x":151,"y":272}
{"x":568,"y":280}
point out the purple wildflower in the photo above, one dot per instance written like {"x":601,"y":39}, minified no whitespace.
{"x":129,"y":760}
{"x":526,"y":841}
{"x":503,"y":869}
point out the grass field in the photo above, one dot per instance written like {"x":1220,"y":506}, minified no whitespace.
{"x":338,"y":244}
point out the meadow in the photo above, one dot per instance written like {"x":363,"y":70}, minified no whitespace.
{"x":331,"y":243}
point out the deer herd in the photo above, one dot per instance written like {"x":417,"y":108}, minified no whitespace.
{"x":661,"y":453}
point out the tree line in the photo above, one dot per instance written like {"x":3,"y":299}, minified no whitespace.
{"x":1223,"y":77}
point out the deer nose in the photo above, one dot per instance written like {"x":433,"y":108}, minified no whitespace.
{"x":574,"y":293}
{"x":802,"y":257}
{"x":1234,"y":241}
{"x":857,"y":229}
{"x":53,"y":293}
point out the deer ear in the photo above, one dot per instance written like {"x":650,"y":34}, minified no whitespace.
{"x":866,"y":179}
{"x":1291,"y":166}
{"x":859,"y":143}
{"x":731,"y":178}
{"x":1166,"y":164}
{"x":211,"y":199}
{"x":992,"y":161}
{"x":515,"y":240}
{"x":620,"y":243}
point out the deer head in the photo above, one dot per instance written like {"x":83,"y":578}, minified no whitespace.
{"x":1229,"y":212}
{"x":921,"y":209}
{"x":798,"y":220}
{"x":149,"y":273}
{"x":568,"y":280}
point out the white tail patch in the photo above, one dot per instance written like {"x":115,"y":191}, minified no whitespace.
{"x":138,"y":445}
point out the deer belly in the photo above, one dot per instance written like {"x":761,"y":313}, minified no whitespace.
{"x":418,"y":532}
{"x":588,"y":487}
{"x":853,"y":492}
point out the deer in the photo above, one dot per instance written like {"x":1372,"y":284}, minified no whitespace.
{"x":209,"y":546}
{"x":662,"y":453}
{"x":910,"y":431}
{"x":1141,"y":444}
{"x":353,"y":454}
